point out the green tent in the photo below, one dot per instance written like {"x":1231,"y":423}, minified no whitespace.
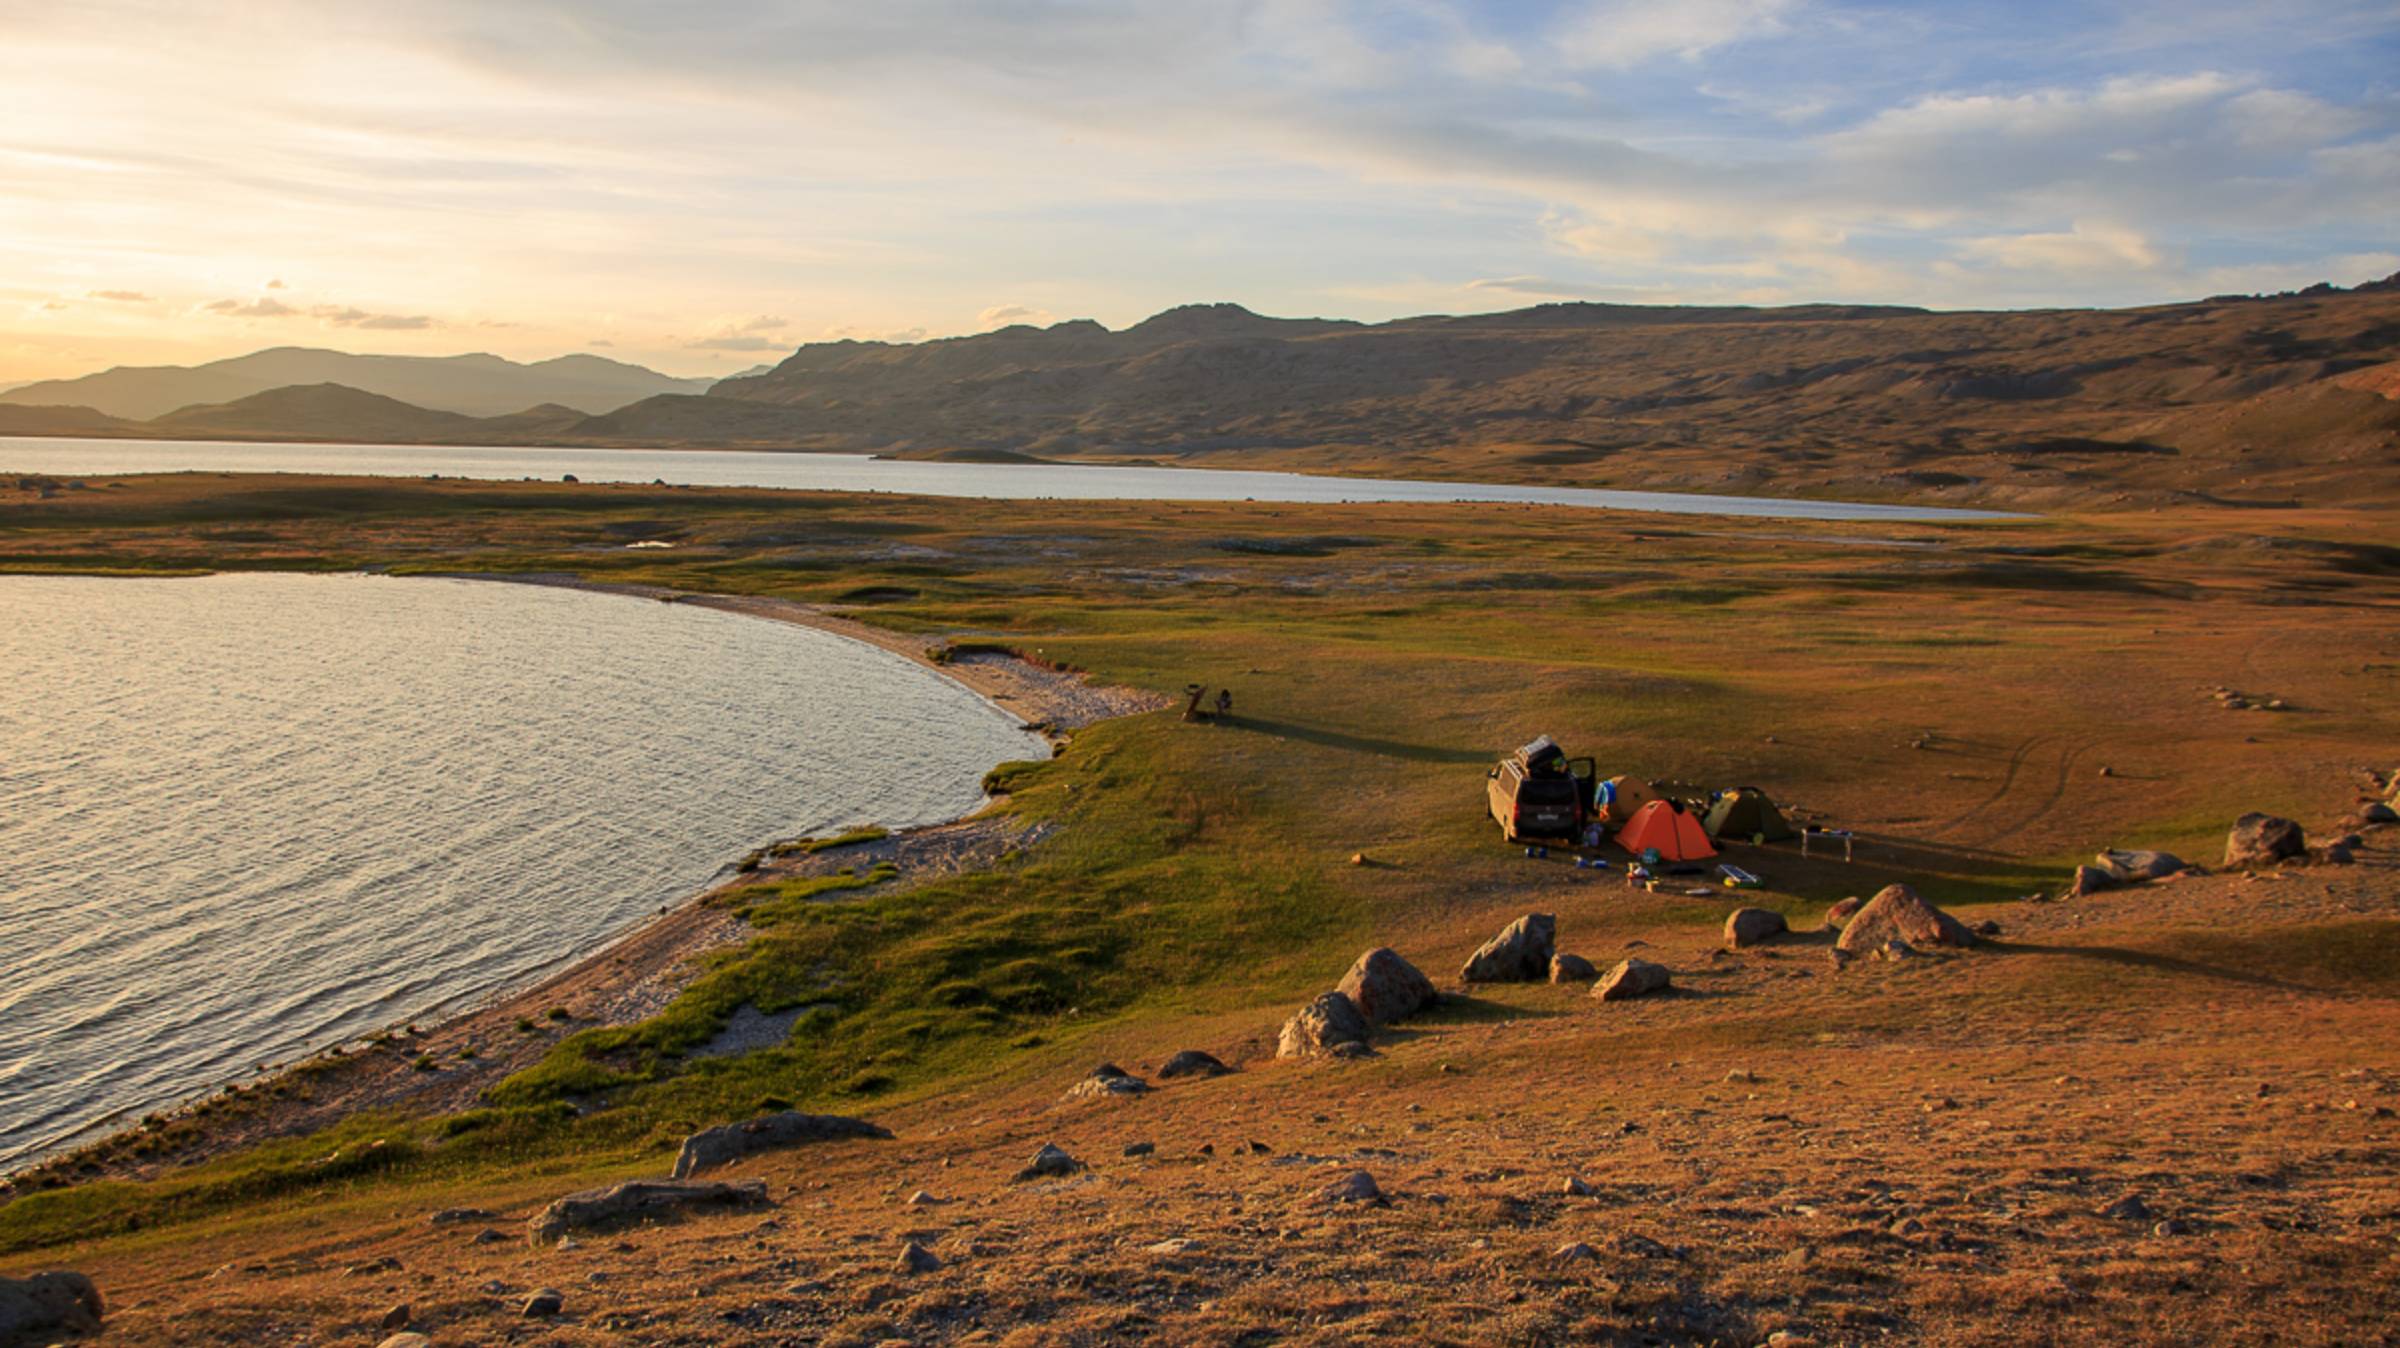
{"x":1745,"y":812}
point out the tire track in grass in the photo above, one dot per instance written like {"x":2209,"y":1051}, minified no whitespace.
{"x":2008,"y":782}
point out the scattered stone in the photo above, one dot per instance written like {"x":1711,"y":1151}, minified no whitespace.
{"x":1576,"y":1253}
{"x":635,"y":1200}
{"x":1897,"y":914}
{"x":1193,"y":1063}
{"x":1107,"y":1080}
{"x":1386,"y":988}
{"x":1356,"y":1187}
{"x":544,"y":1304}
{"x":1322,"y":1026}
{"x":2262,"y":840}
{"x":1050,"y":1162}
{"x":488,"y":1236}
{"x":41,"y":1308}
{"x":1908,"y":1226}
{"x":922,"y":1199}
{"x":453,"y":1216}
{"x":2172,"y":1227}
{"x":1571,"y":969}
{"x":1752,"y":926}
{"x":1839,"y":915}
{"x":915,"y":1258}
{"x":2130,"y":1208}
{"x":1742,"y":1076}
{"x":2138,"y":867}
{"x":1632,"y":978}
{"x":2090,"y":880}
{"x":1987,"y":927}
{"x":2380,"y":813}
{"x":2335,"y":854}
{"x":406,"y":1340}
{"x":1519,"y":954}
{"x":718,"y":1146}
{"x":1353,"y":1049}
{"x":1140,"y":1148}
{"x":1171,"y":1245}
{"x":1895,"y":951}
{"x":397,"y":1317}
{"x":1576,"y":1188}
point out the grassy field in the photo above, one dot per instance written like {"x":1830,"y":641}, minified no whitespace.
{"x":1986,"y":704}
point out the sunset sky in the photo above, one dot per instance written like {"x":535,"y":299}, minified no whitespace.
{"x":701,"y":187}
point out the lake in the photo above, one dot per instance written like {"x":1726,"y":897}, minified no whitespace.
{"x":246,"y":817}
{"x":858,"y":472}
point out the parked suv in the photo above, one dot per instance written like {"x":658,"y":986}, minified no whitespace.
{"x":1537,"y":792}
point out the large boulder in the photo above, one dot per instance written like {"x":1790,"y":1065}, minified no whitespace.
{"x":639,"y":1200}
{"x":2263,"y":840}
{"x":1322,"y":1026}
{"x":1897,"y":914}
{"x":2136,"y":867}
{"x":1753,"y":926}
{"x":47,"y":1307}
{"x":769,"y":1132}
{"x":1632,"y":978}
{"x":1519,"y":954}
{"x":1386,"y":988}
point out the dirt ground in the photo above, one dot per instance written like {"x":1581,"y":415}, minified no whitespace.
{"x":2162,"y":1115}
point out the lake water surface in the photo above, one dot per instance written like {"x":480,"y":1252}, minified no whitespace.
{"x":857,"y":472}
{"x":246,"y":817}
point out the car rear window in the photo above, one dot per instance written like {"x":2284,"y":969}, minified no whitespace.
{"x":1547,"y":791}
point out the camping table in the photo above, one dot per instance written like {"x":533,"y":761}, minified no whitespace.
{"x":1841,"y":833}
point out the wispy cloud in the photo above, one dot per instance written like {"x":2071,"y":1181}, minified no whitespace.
{"x":267,"y":307}
{"x":121,"y":296}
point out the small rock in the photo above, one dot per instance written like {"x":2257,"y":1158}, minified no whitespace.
{"x":2090,"y":880}
{"x":1050,"y":1162}
{"x":1519,"y":954}
{"x":915,"y":1258}
{"x":1908,"y":1226}
{"x":1571,"y":969}
{"x":1576,"y":1253}
{"x":1632,"y":978}
{"x":1106,"y":1081}
{"x":2334,"y":854}
{"x":2262,"y":840}
{"x":406,"y":1340}
{"x":544,"y":1304}
{"x":1356,"y":1187}
{"x":453,"y":1216}
{"x":1322,"y":1026}
{"x":488,"y":1236}
{"x":922,"y":1199}
{"x":1895,"y":951}
{"x":2130,"y":1208}
{"x":1576,"y":1188}
{"x":1752,"y":926}
{"x":1839,"y":915}
{"x":1171,"y":1245}
{"x":714,"y":1147}
{"x":1140,"y":1148}
{"x":396,"y":1317}
{"x":1193,"y":1063}
{"x":2380,"y":813}
{"x":2171,"y":1227}
{"x":1386,"y":988}
{"x":1353,"y":1049}
{"x":635,"y":1200}
{"x":1742,"y":1076}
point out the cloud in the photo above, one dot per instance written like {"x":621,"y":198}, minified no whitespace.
{"x":600,"y":342}
{"x":259,"y":308}
{"x":736,"y":342}
{"x":344,"y":316}
{"x":121,"y":296}
{"x":1617,"y":34}
{"x":764,"y":323}
{"x":1542,"y":287}
{"x":2084,"y":248}
{"x":1001,"y":315}
{"x":276,"y":284}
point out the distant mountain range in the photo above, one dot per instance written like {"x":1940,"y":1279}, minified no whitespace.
{"x":2242,"y":398}
{"x":473,"y":386}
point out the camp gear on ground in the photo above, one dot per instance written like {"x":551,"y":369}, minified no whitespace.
{"x":1747,"y":812}
{"x":1737,"y":878}
{"x":1812,"y":831}
{"x":1666,"y":830}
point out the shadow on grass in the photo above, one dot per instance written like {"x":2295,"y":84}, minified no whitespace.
{"x":1458,"y":1008}
{"x":1363,"y":744}
{"x":2151,"y":960}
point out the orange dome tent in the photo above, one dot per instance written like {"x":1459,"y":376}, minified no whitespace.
{"x":1669,"y":828}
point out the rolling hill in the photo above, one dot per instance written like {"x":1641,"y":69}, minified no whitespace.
{"x":2241,"y":399}
{"x":475,"y":385}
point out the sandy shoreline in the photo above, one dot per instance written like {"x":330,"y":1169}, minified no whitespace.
{"x":631,"y":975}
